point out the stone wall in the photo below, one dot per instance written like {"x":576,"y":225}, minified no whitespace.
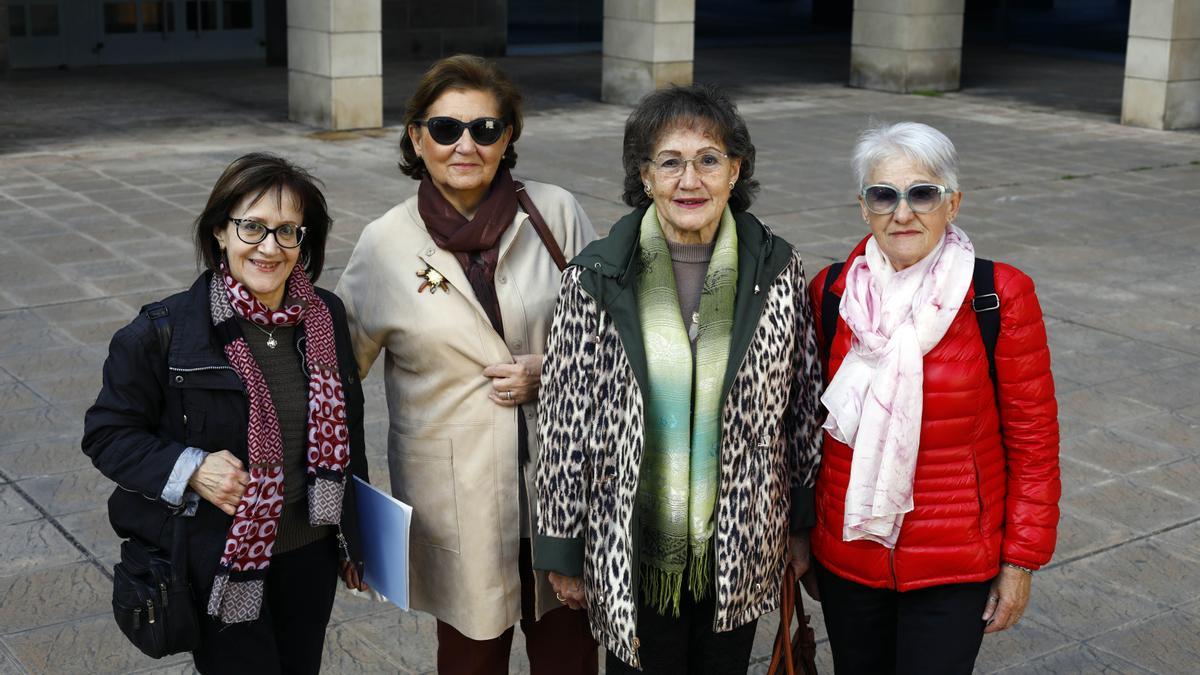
{"x":431,"y":29}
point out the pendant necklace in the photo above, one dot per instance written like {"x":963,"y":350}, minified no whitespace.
{"x":271,"y":341}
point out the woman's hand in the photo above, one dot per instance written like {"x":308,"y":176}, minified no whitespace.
{"x":220,"y":480}
{"x":1007,"y":599}
{"x":800,"y":559}
{"x":797,"y":554}
{"x":568,"y":590}
{"x":514,"y":384}
{"x":352,"y":578}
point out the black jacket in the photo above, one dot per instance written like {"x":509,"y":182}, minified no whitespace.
{"x":150,"y":409}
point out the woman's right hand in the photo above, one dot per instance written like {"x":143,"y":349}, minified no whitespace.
{"x":568,"y":590}
{"x":220,"y":480}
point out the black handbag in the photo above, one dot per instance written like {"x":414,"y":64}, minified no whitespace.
{"x":152,"y":599}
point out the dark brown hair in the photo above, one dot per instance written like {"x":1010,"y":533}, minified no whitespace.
{"x":698,"y":106}
{"x":461,"y":72}
{"x":258,"y":174}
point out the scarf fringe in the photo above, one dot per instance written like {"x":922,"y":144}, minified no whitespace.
{"x":700,"y":577}
{"x":662,"y":589}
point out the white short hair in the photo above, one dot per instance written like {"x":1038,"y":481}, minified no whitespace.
{"x":920,"y":143}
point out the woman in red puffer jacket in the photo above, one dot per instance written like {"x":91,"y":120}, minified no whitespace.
{"x":938,"y":491}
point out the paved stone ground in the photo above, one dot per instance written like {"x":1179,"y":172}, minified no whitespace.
{"x":102,"y":170}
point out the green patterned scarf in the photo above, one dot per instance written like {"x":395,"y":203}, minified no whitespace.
{"x":678,"y":487}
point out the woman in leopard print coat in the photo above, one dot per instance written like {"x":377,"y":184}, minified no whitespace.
{"x":595,"y":412}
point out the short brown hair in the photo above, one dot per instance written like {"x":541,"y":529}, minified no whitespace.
{"x":461,"y":72}
{"x":258,"y":174}
{"x":696,"y":106}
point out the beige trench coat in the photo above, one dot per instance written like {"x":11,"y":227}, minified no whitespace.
{"x":452,"y":452}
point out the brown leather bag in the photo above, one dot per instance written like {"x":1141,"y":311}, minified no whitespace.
{"x":794,"y":654}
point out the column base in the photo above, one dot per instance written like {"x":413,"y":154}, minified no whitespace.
{"x":626,"y":81}
{"x":905,"y":71}
{"x":335,"y":103}
{"x":1156,"y":104}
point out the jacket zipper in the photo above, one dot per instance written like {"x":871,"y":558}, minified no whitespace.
{"x":342,"y":543}
{"x":200,"y":369}
{"x":892,"y":567}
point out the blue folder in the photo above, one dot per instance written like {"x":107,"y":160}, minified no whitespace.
{"x":385,"y":524}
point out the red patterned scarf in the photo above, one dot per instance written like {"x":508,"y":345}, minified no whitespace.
{"x":237,"y":592}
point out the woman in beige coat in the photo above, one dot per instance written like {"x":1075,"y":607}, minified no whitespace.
{"x":458,"y":288}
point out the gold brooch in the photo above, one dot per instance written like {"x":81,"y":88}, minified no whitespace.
{"x":433,"y":280}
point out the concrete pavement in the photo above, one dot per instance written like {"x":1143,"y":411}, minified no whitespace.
{"x":101,"y":173}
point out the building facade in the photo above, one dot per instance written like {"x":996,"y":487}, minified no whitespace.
{"x":334,"y":48}
{"x":76,"y":33}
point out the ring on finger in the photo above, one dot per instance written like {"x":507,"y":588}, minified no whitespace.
{"x":508,"y":395}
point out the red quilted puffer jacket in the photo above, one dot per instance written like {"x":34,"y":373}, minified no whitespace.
{"x":987,"y":483}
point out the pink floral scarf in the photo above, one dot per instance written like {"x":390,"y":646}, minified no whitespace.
{"x":875,"y":400}
{"x":237,"y":591}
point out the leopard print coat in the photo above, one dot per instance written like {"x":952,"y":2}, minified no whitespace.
{"x":592,"y":429}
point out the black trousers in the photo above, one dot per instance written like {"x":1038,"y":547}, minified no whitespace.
{"x":687,"y":645}
{"x":289,"y":634}
{"x":931,"y":631}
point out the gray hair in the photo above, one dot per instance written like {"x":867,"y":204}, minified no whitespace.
{"x":920,"y":143}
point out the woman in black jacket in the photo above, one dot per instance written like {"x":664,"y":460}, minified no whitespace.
{"x":249,"y":426}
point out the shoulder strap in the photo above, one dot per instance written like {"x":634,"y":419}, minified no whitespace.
{"x":158,"y":314}
{"x":543,"y":230}
{"x":830,"y":304}
{"x":986,"y":304}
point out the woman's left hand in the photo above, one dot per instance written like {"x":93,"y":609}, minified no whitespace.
{"x":800,"y":559}
{"x":515,"y":384}
{"x":352,"y":578}
{"x":569,"y":590}
{"x":798,"y":553}
{"x":1007,"y":599}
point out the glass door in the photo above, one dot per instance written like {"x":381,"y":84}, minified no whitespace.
{"x":35,"y":34}
{"x":148,"y":31}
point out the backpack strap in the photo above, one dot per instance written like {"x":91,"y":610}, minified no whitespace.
{"x":162,"y":325}
{"x":986,"y":304}
{"x":830,"y":304}
{"x":543,"y":230}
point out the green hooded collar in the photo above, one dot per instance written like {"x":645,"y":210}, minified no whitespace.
{"x":609,"y":275}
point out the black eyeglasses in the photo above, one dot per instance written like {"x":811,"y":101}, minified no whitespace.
{"x":921,"y":198}
{"x":254,"y":232}
{"x":447,"y":130}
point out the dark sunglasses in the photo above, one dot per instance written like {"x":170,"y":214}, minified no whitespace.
{"x":447,"y":130}
{"x":921,"y":198}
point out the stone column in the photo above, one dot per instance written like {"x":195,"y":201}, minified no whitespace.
{"x":648,"y":44}
{"x":906,"y":45}
{"x":335,"y":72}
{"x":1162,"y":65}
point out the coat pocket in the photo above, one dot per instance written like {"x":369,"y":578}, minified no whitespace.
{"x":422,"y":473}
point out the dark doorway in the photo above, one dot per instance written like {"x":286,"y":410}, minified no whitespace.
{"x":1053,"y":55}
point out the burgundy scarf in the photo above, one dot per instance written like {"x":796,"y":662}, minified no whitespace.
{"x":475,"y":242}
{"x":237,"y":591}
